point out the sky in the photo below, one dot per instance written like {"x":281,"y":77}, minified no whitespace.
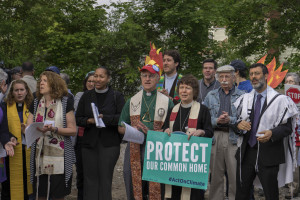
{"x":107,"y":2}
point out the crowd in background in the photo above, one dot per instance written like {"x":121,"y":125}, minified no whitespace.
{"x":70,"y":136}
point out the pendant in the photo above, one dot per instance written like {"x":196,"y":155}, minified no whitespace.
{"x":146,"y":115}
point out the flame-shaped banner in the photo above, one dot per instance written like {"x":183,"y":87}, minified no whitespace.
{"x":274,"y":77}
{"x":156,"y":56}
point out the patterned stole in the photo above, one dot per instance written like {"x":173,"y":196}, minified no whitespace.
{"x":161,"y":109}
{"x":192,"y":125}
{"x":16,"y":162}
{"x":161,"y":84}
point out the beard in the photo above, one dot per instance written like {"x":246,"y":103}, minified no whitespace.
{"x":259,"y":85}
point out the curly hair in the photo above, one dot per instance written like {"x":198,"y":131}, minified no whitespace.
{"x":191,"y":81}
{"x":10,"y":100}
{"x":57,"y":85}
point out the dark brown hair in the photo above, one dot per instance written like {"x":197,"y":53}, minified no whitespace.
{"x":58,"y":87}
{"x":191,"y":81}
{"x":10,"y":100}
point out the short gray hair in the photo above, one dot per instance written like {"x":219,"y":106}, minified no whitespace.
{"x":295,"y":77}
{"x":3,"y":75}
{"x":66,"y":77}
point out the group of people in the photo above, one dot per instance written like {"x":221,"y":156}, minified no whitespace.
{"x":249,"y":141}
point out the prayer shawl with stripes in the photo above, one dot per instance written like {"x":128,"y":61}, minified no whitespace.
{"x":284,"y":108}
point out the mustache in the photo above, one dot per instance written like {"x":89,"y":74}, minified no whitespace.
{"x":224,"y":82}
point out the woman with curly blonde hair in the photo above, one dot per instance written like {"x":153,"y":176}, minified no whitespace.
{"x":15,"y":113}
{"x":52,"y":155}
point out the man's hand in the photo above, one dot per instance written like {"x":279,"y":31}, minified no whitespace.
{"x":168,"y":131}
{"x":164,"y":91}
{"x":244,"y":126}
{"x":9,"y":147}
{"x":142,"y":127}
{"x":223,"y":118}
{"x":198,"y":132}
{"x":266,"y":137}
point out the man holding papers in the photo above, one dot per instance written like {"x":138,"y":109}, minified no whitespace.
{"x":145,"y":111}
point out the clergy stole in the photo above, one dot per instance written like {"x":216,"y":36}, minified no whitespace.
{"x":161,"y":83}
{"x":161,"y":109}
{"x":192,"y":126}
{"x":16,"y":162}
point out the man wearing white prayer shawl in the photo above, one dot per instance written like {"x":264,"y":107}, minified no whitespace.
{"x":266,"y":121}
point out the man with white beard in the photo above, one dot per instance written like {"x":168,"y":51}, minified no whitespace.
{"x":223,"y":117}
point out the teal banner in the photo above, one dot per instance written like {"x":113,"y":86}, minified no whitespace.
{"x":175,"y":160}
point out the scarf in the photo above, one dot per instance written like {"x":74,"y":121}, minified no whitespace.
{"x":161,"y":84}
{"x":161,"y":109}
{"x":16,"y":162}
{"x":49,"y":148}
{"x":192,"y":126}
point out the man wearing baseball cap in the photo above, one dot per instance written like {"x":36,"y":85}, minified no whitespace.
{"x":241,"y":75}
{"x":145,"y":111}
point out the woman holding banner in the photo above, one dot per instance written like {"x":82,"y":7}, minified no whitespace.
{"x":15,"y":114}
{"x":180,"y":120}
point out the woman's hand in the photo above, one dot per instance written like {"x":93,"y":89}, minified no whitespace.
{"x":90,"y":121}
{"x":9,"y":147}
{"x":46,"y":128}
{"x":198,"y":133}
{"x":14,"y":140}
{"x":23,"y":127}
{"x":168,"y":131}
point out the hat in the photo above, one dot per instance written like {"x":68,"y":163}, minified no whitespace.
{"x":225,"y":68}
{"x":153,"y":69}
{"x":16,"y":70}
{"x":238,"y":65}
{"x":53,"y":69}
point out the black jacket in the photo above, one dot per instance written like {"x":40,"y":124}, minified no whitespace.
{"x":111,"y":110}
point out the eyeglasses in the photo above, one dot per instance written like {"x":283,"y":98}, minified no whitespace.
{"x":290,"y":82}
{"x":224,"y":76}
{"x":151,"y":76}
{"x":255,"y":73}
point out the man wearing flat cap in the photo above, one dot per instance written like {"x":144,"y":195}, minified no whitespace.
{"x":241,"y":75}
{"x":223,"y":117}
{"x":145,"y":111}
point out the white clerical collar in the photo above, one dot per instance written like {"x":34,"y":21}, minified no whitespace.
{"x":171,"y":77}
{"x":187,"y":105}
{"x":101,"y":91}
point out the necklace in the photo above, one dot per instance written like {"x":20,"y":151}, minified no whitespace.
{"x":180,"y":125}
{"x":201,"y":89}
{"x":146,"y":117}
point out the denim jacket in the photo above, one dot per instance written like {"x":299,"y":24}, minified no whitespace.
{"x":212,"y":101}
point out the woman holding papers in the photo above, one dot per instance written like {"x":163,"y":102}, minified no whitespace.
{"x":15,"y":114}
{"x":52,"y":155}
{"x":182,"y":119}
{"x":100,"y":146}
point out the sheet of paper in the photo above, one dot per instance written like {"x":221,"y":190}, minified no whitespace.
{"x":31,"y":133}
{"x":133,"y":135}
{"x":99,"y":122}
{"x":2,"y":151}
